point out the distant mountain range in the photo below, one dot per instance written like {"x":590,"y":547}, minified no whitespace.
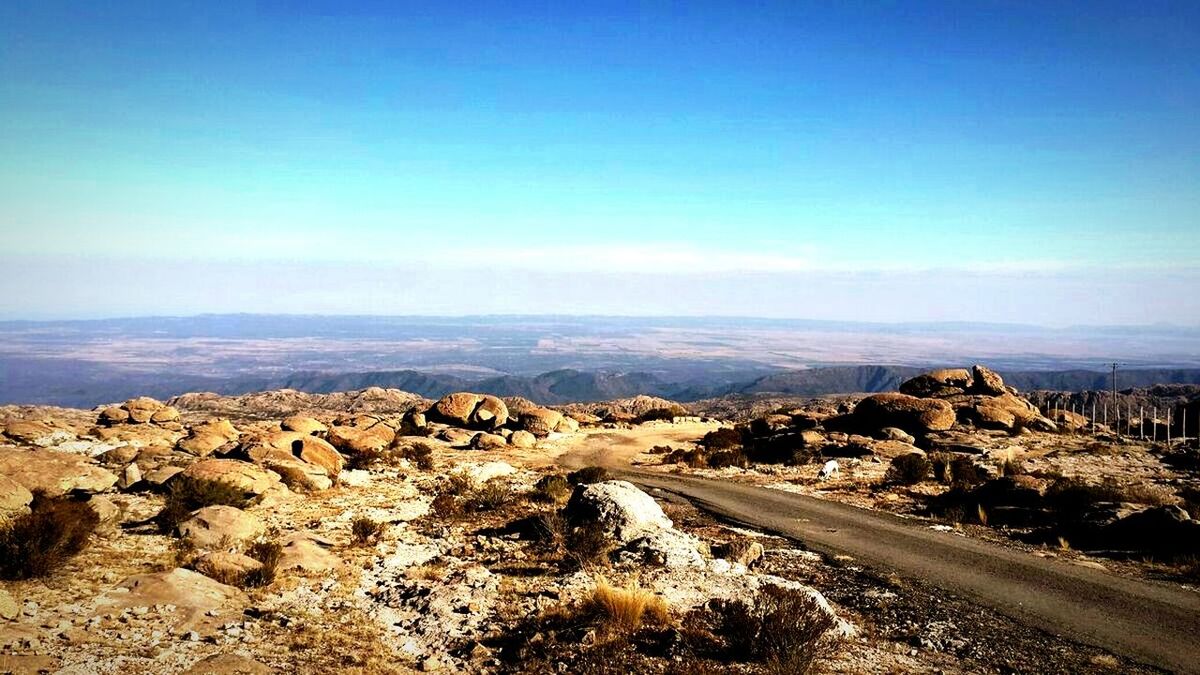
{"x":569,"y":386}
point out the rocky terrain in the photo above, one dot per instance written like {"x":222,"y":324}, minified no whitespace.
{"x":379,"y":531}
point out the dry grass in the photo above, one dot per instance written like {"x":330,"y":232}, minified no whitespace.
{"x":430,"y":571}
{"x":783,"y":629}
{"x":588,"y":475}
{"x":553,"y":489}
{"x":909,"y":469}
{"x":624,"y":610}
{"x":37,"y":543}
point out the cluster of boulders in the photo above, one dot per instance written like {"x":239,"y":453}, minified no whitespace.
{"x":142,"y":410}
{"x":485,"y":422}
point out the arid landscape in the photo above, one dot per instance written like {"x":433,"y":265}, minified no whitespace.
{"x":378,"y":531}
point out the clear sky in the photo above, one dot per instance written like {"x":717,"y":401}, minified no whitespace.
{"x":1003,"y":161}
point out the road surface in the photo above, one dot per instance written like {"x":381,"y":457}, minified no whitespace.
{"x":1152,"y":622}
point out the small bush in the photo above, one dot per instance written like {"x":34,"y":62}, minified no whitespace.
{"x":589,"y":545}
{"x":458,"y":483}
{"x":553,"y":489}
{"x":1011,"y":466}
{"x":588,"y":475}
{"x":909,"y":469}
{"x":185,"y":496}
{"x":37,"y":543}
{"x":621,"y":611}
{"x":365,"y":458}
{"x":693,"y":458}
{"x":366,"y":531}
{"x":782,"y":629}
{"x":964,"y":471}
{"x":724,"y":438}
{"x":719,"y":460}
{"x":268,"y":553}
{"x":939,"y":463}
{"x":491,"y":496}
{"x":446,"y":506}
{"x":420,"y":454}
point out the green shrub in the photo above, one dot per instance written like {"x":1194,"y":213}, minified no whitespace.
{"x":909,"y":469}
{"x":37,"y":543}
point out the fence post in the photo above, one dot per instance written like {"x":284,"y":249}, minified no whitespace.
{"x":1142,"y":422}
{"x":1154,"y":423}
{"x":1168,"y":427}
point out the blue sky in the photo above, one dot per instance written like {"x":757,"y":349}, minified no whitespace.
{"x":1015,"y":161}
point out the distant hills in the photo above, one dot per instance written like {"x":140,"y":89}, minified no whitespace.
{"x":569,"y":385}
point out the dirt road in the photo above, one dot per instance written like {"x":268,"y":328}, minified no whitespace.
{"x":1152,"y":622}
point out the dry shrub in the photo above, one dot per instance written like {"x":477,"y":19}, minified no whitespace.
{"x":696,"y":459}
{"x":185,"y":496}
{"x":365,"y":458}
{"x":909,"y":469}
{"x":458,"y":484}
{"x":366,"y":531}
{"x":1012,"y":466}
{"x":1072,"y":497}
{"x":430,"y":571}
{"x":420,"y":454}
{"x":588,"y":475}
{"x":589,"y":545}
{"x":446,"y":506}
{"x":268,"y":553}
{"x":491,"y":496}
{"x":782,"y":629}
{"x":720,"y":460}
{"x":37,"y":543}
{"x":722,"y":439}
{"x":553,"y":489}
{"x":666,"y":414}
{"x":621,"y":611}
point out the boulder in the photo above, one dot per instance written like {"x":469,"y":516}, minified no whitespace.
{"x":456,"y":436}
{"x":9,"y":609}
{"x":664,"y":548}
{"x":308,"y":553}
{"x":522,"y":439}
{"x":455,"y":408}
{"x":915,"y":416}
{"x":251,"y":479}
{"x":112,"y":416}
{"x":1165,"y":530}
{"x":30,"y":432}
{"x":541,"y":422}
{"x":207,"y":437}
{"x":938,"y":383}
{"x":14,"y":498}
{"x":142,"y":409}
{"x":298,"y":475}
{"x":304,"y":425}
{"x":491,"y":413}
{"x":482,"y":473}
{"x":213,"y":526}
{"x":1069,"y":421}
{"x":987,"y":381}
{"x":746,"y":554}
{"x":623,"y":510}
{"x":54,"y":473}
{"x":485,"y":441}
{"x":894,"y":434}
{"x":165,"y":415}
{"x":228,"y":664}
{"x":225,"y":565}
{"x":362,"y":435}
{"x":190,"y":595}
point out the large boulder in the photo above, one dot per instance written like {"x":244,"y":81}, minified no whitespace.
{"x":541,"y":422}
{"x":362,"y":434}
{"x":522,"y":439}
{"x":915,"y":416}
{"x":987,"y":381}
{"x":299,"y":446}
{"x":1158,"y":529}
{"x":251,"y":479}
{"x":304,"y":425}
{"x":54,"y":473}
{"x":472,"y":411}
{"x":214,"y":526}
{"x":624,"y":511}
{"x":207,"y":437}
{"x":486,"y":441}
{"x":185,"y":596}
{"x":938,"y":383}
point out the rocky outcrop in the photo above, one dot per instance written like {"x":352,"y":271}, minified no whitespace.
{"x":207,"y":437}
{"x":214,"y":526}
{"x":542,"y":422}
{"x":304,"y":425}
{"x":915,"y":416}
{"x":15,"y":498}
{"x":471,"y":411}
{"x":250,"y":479}
{"x":54,"y":473}
{"x":634,"y":521}
{"x":142,"y":410}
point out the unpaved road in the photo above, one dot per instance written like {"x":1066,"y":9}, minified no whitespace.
{"x":1152,"y":622}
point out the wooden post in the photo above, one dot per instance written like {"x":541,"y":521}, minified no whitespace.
{"x":1093,"y":418}
{"x":1154,"y":421}
{"x":1168,"y":427}
{"x":1142,"y":422}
